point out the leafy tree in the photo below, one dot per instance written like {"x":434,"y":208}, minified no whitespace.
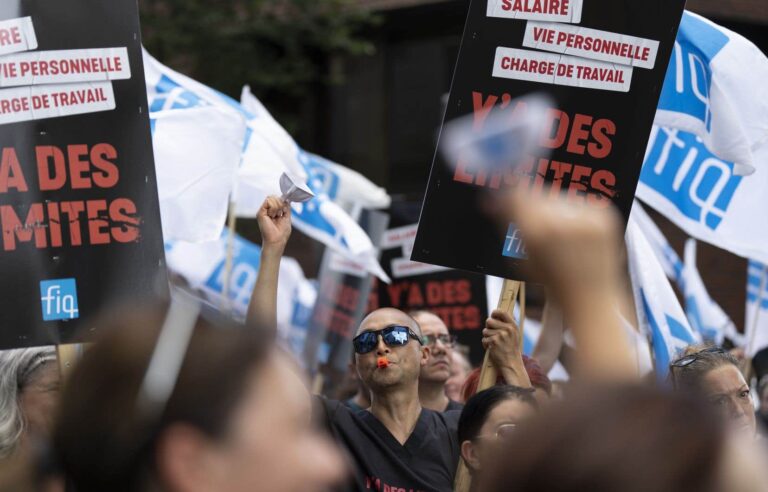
{"x":281,"y":48}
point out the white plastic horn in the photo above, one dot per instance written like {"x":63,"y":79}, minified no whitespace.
{"x":294,"y":190}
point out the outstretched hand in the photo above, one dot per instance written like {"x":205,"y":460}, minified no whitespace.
{"x":274,"y":219}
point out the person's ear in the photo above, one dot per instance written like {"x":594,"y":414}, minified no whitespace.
{"x":425,"y":352}
{"x":184,"y":460}
{"x":470,"y":455}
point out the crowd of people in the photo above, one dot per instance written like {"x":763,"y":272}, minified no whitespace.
{"x":177,"y":398}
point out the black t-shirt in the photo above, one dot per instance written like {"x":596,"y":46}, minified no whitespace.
{"x":454,"y":406}
{"x":426,"y":463}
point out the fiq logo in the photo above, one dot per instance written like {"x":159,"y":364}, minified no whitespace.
{"x":513,"y":244}
{"x":59,"y":299}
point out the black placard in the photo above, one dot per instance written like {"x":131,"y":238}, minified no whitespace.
{"x":597,"y":136}
{"x":78,"y":196}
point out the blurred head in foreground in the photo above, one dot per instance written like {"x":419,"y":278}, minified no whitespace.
{"x":627,"y":439}
{"x":237,"y":418}
{"x":29,"y":391}
{"x":714,"y":374}
{"x":491,"y":417}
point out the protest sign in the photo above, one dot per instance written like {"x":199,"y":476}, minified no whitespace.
{"x":79,"y":207}
{"x":602,"y":62}
{"x":457,"y":297}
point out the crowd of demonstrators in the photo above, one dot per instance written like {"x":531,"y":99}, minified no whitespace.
{"x":235,"y":414}
{"x":436,"y":371}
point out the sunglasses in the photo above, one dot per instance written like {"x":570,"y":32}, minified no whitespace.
{"x":393,"y":336}
{"x":446,"y":340}
{"x":690,"y":359}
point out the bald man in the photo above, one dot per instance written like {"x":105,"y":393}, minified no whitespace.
{"x":437,"y":370}
{"x":396,"y":444}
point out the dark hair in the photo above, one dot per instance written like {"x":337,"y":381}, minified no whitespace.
{"x":102,"y":441}
{"x":477,"y":408}
{"x":538,"y":379}
{"x":687,"y":371}
{"x":629,"y":439}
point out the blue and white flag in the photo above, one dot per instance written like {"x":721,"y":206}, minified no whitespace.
{"x":703,"y":196}
{"x":321,"y":218}
{"x":704,"y":314}
{"x":663,"y":251}
{"x":658,"y":311}
{"x":715,"y":88}
{"x":197,"y":147}
{"x":203,"y":267}
{"x":756,"y":330}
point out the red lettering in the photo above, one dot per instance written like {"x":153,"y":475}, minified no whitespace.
{"x":10,"y":172}
{"x":108,"y":174}
{"x":13,"y":229}
{"x":78,"y":166}
{"x":44,"y":154}
{"x":579,"y":134}
{"x":600,"y":131}
{"x":97,"y":224}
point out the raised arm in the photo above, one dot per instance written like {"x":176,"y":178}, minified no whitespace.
{"x":575,"y":250}
{"x":274,"y":219}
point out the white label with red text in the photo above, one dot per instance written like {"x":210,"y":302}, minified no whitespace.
{"x":543,"y":10}
{"x":402,"y":267}
{"x":591,"y":43}
{"x":50,"y":101}
{"x":550,"y":68}
{"x":64,"y":66}
{"x":17,"y":35}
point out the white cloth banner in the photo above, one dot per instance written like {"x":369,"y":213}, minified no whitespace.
{"x":658,"y":311}
{"x":196,"y":156}
{"x":203,"y":267}
{"x":757,"y":308}
{"x":320,"y":218}
{"x":704,"y":314}
{"x":700,"y":193}
{"x":197,"y":145}
{"x":715,"y":88}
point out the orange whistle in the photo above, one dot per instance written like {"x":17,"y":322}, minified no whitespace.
{"x":382,"y":363}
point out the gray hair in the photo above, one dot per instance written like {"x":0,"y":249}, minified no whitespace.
{"x":16,"y":370}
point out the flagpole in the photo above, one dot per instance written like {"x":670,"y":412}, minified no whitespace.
{"x":227,"y":304}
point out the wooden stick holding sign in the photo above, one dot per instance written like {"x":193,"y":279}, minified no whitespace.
{"x":488,"y":374}
{"x":67,"y":355}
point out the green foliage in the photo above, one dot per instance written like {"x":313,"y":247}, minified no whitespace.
{"x":281,"y":48}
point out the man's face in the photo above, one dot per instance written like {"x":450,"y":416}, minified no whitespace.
{"x":405,"y":361}
{"x":438,"y":366}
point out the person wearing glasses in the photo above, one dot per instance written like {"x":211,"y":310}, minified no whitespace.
{"x":437,"y":370}
{"x":489,"y":418}
{"x":714,"y":373}
{"x":396,"y":444}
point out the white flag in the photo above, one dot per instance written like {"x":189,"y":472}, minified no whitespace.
{"x":197,"y":152}
{"x":320,"y":218}
{"x":715,"y":88}
{"x":658,"y":311}
{"x":704,"y":314}
{"x":197,"y":147}
{"x":757,"y":308}
{"x":701,"y":194}
{"x":203,"y":267}
{"x":341,"y":184}
{"x":666,"y":255}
